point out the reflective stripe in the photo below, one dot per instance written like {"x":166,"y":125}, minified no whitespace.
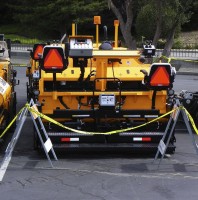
{"x":137,"y":139}
{"x":80,"y":115}
{"x":132,"y":116}
{"x":142,"y":139}
{"x":69,"y":139}
{"x":150,"y":116}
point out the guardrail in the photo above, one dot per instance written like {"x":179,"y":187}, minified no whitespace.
{"x":22,"y":47}
{"x":181,"y":53}
{"x":178,"y":53}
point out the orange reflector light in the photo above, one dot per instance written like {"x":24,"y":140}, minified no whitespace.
{"x":160,"y":77}
{"x":97,"y":20}
{"x":116,"y":22}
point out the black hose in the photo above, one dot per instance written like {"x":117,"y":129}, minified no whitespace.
{"x":60,"y":98}
{"x":82,"y":70}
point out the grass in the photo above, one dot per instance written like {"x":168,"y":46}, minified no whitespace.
{"x":21,"y":39}
{"x":12,"y":32}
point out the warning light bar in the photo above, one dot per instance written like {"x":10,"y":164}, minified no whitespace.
{"x":53,"y":59}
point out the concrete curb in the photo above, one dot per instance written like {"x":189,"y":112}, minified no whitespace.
{"x":184,"y":67}
{"x":187,"y":73}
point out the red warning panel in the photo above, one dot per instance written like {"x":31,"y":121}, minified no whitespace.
{"x":160,"y":77}
{"x":38,"y":50}
{"x":53,"y":59}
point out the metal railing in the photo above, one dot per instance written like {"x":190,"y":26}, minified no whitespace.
{"x":22,"y":47}
{"x":191,"y":50}
{"x":181,"y":53}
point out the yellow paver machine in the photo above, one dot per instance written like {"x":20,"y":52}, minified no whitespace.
{"x":101,"y":90}
{"x":7,"y":84}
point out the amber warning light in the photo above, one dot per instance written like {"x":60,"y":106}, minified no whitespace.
{"x":97,"y":20}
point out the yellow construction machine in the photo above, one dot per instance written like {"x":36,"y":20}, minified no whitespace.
{"x":7,"y":84}
{"x":102,"y":89}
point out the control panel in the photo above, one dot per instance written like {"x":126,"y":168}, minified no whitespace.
{"x":80,"y":46}
{"x":107,"y":100}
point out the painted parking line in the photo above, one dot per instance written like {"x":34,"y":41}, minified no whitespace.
{"x":4,"y":167}
{"x":11,"y":145}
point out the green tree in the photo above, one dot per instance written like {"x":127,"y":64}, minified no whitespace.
{"x":178,"y":13}
{"x":193,"y":22}
{"x":5,"y":13}
{"x":149,"y":21}
{"x":146,"y":21}
{"x":124,"y":11}
{"x":162,"y":17}
{"x":52,"y":18}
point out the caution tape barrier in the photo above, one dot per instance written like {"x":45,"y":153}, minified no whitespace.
{"x":10,"y":124}
{"x":92,"y":133}
{"x":33,"y":110}
{"x":191,"y":120}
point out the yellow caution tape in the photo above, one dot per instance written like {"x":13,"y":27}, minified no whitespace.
{"x":10,"y":124}
{"x":191,"y":121}
{"x":92,"y":133}
{"x":33,"y":110}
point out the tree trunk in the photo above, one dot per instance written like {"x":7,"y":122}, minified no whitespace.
{"x":128,"y":38}
{"x":169,"y":41}
{"x":159,"y":22}
{"x":125,"y":26}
